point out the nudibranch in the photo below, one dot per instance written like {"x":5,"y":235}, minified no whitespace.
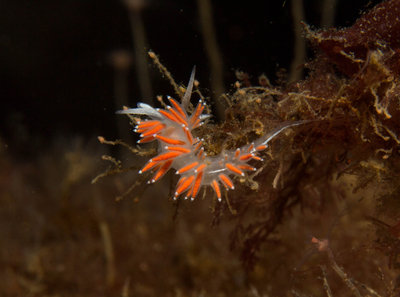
{"x":180,"y":150}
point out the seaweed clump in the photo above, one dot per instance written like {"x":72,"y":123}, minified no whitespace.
{"x":351,"y":94}
{"x":340,"y":169}
{"x":350,"y":150}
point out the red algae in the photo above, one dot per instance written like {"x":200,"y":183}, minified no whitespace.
{"x":329,"y":185}
{"x":349,"y":48}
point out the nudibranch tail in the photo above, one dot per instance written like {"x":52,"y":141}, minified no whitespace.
{"x":178,"y":149}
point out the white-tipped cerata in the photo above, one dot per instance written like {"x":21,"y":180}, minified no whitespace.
{"x":172,"y":128}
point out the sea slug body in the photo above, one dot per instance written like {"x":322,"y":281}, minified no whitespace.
{"x":179,"y":149}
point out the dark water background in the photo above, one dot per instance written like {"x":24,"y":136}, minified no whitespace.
{"x":62,"y":236}
{"x":56,"y":78}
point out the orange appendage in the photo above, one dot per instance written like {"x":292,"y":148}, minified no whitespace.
{"x":169,"y":116}
{"x":261,"y":147}
{"x":188,"y":134}
{"x":201,"y":154}
{"x":216,"y":188}
{"x":189,"y":193}
{"x":201,"y":168}
{"x":148,"y":166}
{"x":234,"y":169}
{"x":166,"y":156}
{"x":196,"y":123}
{"x":226,"y":181}
{"x":247,"y":167}
{"x":257,"y":158}
{"x":181,"y":180}
{"x":195,"y":118}
{"x":147,"y":124}
{"x":153,"y":131}
{"x":146,"y":139}
{"x":246,"y":157}
{"x":161,"y":171}
{"x":169,"y":140}
{"x":178,"y":149}
{"x":187,"y":168}
{"x":177,"y":116}
{"x":177,"y":107}
{"x":237,"y":153}
{"x":184,"y":185}
{"x":197,"y":184}
{"x":198,"y":146}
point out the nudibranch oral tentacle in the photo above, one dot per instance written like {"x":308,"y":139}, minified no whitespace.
{"x":179,"y":149}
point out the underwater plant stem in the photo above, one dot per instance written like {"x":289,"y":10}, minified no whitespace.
{"x":166,"y":73}
{"x":341,"y":273}
{"x":141,"y":62}
{"x":328,"y":13}
{"x":299,"y":54}
{"x":214,"y":54}
{"x":326,"y":284}
{"x":109,"y":252}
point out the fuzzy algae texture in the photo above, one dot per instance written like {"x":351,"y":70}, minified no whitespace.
{"x":341,"y":169}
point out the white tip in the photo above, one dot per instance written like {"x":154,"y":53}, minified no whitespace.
{"x":186,"y":197}
{"x":140,"y":172}
{"x":219,"y":199}
{"x":192,"y":199}
{"x":142,"y":109}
